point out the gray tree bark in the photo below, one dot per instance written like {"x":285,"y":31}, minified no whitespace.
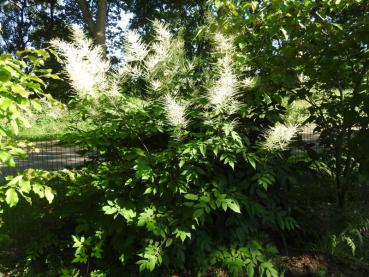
{"x":97,"y":27}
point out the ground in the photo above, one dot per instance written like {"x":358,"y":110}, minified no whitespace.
{"x":319,"y":265}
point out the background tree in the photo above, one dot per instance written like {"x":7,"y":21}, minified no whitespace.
{"x":187,"y":16}
{"x":315,"y":51}
{"x":30,"y":23}
{"x":96,"y":22}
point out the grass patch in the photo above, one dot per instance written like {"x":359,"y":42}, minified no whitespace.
{"x":45,"y":129}
{"x":49,"y":128}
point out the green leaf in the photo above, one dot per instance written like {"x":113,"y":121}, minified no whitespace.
{"x":37,"y":79}
{"x":18,"y":152}
{"x":20,"y":90}
{"x":109,"y":210}
{"x":190,"y":196}
{"x":254,"y":5}
{"x":5,"y":75}
{"x":181,"y":163}
{"x":182,"y":234}
{"x":234,"y":207}
{"x":49,"y":195}
{"x":24,"y":185}
{"x":339,"y":26}
{"x":38,"y":189}
{"x":168,"y":242}
{"x":11,"y":197}
{"x":250,"y":270}
{"x":14,"y":126}
{"x":203,"y":149}
{"x":7,"y":159}
{"x":36,"y":105}
{"x":198,"y":213}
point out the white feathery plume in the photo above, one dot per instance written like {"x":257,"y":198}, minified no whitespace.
{"x":135,"y":48}
{"x":222,"y":94}
{"x":248,"y":82}
{"x":156,"y":85}
{"x":161,"y":46}
{"x":279,"y":137}
{"x":114,"y":89}
{"x":223,"y":44}
{"x":133,"y":71}
{"x":78,"y":35}
{"x":162,"y":32}
{"x":84,"y":64}
{"x":176,"y":112}
{"x":152,"y":61}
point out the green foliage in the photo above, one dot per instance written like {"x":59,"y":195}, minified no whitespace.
{"x":316,"y":52}
{"x":21,"y":80}
{"x":51,"y":124}
{"x":182,"y":184}
{"x":194,"y":173}
{"x":249,"y":257}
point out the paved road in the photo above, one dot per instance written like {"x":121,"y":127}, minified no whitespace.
{"x":51,"y":156}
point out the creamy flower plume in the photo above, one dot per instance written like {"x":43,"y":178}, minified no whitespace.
{"x":113,"y":90}
{"x":84,"y":64}
{"x":176,"y":112}
{"x":130,"y":70}
{"x":222,"y":93}
{"x":156,"y":85}
{"x":279,"y":137}
{"x":135,"y":49}
{"x":249,"y":82}
{"x":223,"y":44}
{"x":162,"y":32}
{"x":161,"y":47}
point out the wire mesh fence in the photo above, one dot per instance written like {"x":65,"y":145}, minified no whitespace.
{"x":310,"y":138}
{"x":52,"y":155}
{"x":49,"y":155}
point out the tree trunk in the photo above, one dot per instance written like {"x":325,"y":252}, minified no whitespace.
{"x":21,"y":44}
{"x":96,"y":28}
{"x":100,"y":26}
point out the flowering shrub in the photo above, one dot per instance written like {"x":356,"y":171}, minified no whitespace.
{"x":183,"y":184}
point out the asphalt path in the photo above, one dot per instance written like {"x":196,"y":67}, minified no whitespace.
{"x":50,"y":155}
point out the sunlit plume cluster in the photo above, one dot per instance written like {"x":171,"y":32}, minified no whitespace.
{"x":176,"y":112}
{"x":135,"y":49}
{"x":223,"y":93}
{"x":279,"y":137}
{"x":160,"y":47}
{"x":141,"y":60}
{"x":156,"y":85}
{"x":249,"y":82}
{"x":84,"y":63}
{"x":223,"y":44}
{"x":113,"y":90}
{"x":130,"y":70}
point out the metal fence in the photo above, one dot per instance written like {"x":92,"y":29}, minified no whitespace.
{"x":52,"y":155}
{"x":308,"y":136}
{"x":49,"y":155}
